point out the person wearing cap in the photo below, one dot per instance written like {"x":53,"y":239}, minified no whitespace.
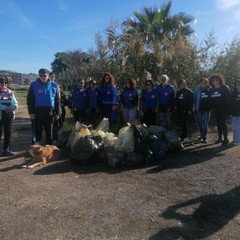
{"x":8,"y":104}
{"x":44,"y":105}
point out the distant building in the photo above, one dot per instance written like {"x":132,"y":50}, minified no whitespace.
{"x":19,"y":78}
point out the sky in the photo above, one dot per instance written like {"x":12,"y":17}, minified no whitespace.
{"x":32,"y":32}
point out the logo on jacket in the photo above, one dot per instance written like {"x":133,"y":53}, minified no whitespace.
{"x":40,"y":91}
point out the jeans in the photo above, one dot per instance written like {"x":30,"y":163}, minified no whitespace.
{"x":235,"y":124}
{"x":129,"y":115}
{"x":202,"y":121}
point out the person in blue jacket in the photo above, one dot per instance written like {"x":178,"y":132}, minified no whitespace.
{"x":149,"y":98}
{"x":129,"y":98}
{"x":166,"y":99}
{"x":77,"y":102}
{"x":8,"y":103}
{"x":108,"y":97}
{"x":44,"y":105}
{"x":93,"y":103}
{"x":201,"y":102}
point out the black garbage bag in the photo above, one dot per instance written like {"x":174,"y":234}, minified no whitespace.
{"x":141,"y":145}
{"x":173,"y":141}
{"x":158,"y":146}
{"x":85,"y":148}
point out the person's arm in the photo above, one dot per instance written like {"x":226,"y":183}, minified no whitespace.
{"x":31,"y":101}
{"x":57,"y":103}
{"x":14,"y":103}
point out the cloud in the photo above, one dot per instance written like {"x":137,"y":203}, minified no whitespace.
{"x":62,"y":6}
{"x":227,"y":4}
{"x":52,"y":40}
{"x":230,"y":29}
{"x":18,"y":13}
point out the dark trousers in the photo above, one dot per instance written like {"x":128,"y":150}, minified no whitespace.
{"x":183,"y":120}
{"x":46,"y":123}
{"x":93,"y":117}
{"x":149,"y":116}
{"x":80,"y":115}
{"x":6,"y":125}
{"x":221,"y":118}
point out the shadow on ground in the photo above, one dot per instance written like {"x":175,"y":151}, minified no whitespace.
{"x":212,"y":214}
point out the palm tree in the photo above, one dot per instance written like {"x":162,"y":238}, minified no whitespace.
{"x":156,"y":25}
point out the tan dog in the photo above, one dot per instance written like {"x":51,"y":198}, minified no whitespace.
{"x":42,"y":155}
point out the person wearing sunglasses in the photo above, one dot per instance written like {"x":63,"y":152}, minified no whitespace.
{"x":44,"y":105}
{"x":148,"y":103}
{"x":8,"y":104}
{"x":93,"y":103}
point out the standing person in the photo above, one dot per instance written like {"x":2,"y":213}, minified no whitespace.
{"x":148,"y":103}
{"x":201,"y":108}
{"x":184,"y":106}
{"x":166,"y":96}
{"x":93,"y":103}
{"x":77,"y":102}
{"x":52,"y":77}
{"x":235,"y":112}
{"x":219,"y":100}
{"x":129,"y":98}
{"x":58,"y":123}
{"x":108,"y":97}
{"x":43,"y":101}
{"x":8,"y":104}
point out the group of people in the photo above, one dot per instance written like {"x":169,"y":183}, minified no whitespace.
{"x":46,"y":104}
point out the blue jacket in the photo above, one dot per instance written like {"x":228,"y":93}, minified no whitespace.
{"x":44,"y":98}
{"x":93,"y":97}
{"x":129,"y":98}
{"x":166,"y":97}
{"x":108,"y":94}
{"x":78,"y":99}
{"x":149,"y":99}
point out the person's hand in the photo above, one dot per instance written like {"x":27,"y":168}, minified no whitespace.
{"x":32,"y":116}
{"x":9,"y":110}
{"x":56,"y":117}
{"x":114,"y":108}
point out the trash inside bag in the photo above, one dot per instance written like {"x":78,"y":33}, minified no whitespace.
{"x":125,"y":140}
{"x":103,"y":125}
{"x":85,"y":147}
{"x":82,"y":133}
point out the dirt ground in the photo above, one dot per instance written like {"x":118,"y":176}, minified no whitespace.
{"x":192,"y":194}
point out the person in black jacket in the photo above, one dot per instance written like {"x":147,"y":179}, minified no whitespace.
{"x":184,"y":106}
{"x":43,"y":101}
{"x":219,"y":102}
{"x":235,"y":112}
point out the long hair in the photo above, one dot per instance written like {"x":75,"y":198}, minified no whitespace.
{"x":111,"y":81}
{"x":217,"y":76}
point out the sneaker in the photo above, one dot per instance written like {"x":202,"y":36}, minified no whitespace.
{"x":225,"y":142}
{"x":219,"y":141}
{"x":7,"y":153}
{"x":235,"y":143}
{"x":204,"y":141}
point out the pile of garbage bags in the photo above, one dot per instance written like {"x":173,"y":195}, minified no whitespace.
{"x":134,"y":145}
